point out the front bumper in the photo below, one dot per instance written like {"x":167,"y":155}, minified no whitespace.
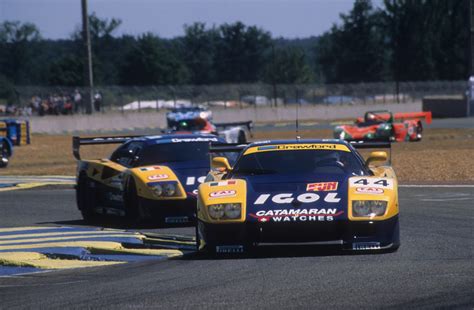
{"x":350,"y":235}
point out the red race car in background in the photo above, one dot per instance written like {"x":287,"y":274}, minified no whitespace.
{"x":384,"y":126}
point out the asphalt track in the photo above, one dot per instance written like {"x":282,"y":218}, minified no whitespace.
{"x":432,"y":269}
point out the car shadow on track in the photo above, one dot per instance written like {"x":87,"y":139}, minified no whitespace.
{"x":116,"y":223}
{"x":283,"y":252}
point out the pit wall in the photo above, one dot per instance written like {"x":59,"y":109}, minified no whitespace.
{"x":152,"y":119}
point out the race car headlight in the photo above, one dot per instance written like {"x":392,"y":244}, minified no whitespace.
{"x":216,"y":211}
{"x":169,"y":189}
{"x":232,"y":210}
{"x":362,"y":208}
{"x":164,"y":189}
{"x":157,"y":189}
{"x":225,"y":211}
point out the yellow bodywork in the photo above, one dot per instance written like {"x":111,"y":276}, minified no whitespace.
{"x":236,"y":193}
{"x":383,"y":185}
{"x":118,"y":175}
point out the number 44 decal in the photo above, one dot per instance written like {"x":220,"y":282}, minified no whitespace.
{"x":371,"y":182}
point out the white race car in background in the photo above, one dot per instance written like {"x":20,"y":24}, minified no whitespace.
{"x":199,"y":120}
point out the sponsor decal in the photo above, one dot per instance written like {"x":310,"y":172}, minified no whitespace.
{"x":157,"y":177}
{"x":200,"y":139}
{"x":297,"y":215}
{"x":221,"y":194}
{"x":285,"y":198}
{"x":150,"y":168}
{"x":293,"y":147}
{"x":383,"y":183}
{"x":223,"y":183}
{"x":115,"y":197}
{"x":192,"y":180}
{"x":369,"y":190}
{"x":322,"y":187}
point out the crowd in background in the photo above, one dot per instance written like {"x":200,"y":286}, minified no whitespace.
{"x":54,"y":104}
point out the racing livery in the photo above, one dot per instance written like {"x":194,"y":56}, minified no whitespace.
{"x":199,"y":120}
{"x":317,"y":192}
{"x":145,"y":177}
{"x":384,"y":126}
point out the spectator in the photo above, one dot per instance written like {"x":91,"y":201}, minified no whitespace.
{"x":77,"y":101}
{"x":97,"y":101}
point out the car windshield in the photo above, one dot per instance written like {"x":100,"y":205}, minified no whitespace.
{"x":174,"y":152}
{"x":299,"y":161}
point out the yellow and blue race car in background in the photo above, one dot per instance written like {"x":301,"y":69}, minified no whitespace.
{"x":305,"y":192}
{"x":145,"y":177}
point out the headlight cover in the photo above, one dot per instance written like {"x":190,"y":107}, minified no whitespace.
{"x":229,"y":211}
{"x":368,"y":208}
{"x":164,"y":189}
{"x":169,"y":189}
{"x":157,"y":189}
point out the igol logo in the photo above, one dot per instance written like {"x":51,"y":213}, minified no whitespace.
{"x":303,"y":198}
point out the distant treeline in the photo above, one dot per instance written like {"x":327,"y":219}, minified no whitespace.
{"x":402,"y":40}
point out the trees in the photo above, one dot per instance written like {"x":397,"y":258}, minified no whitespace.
{"x":16,"y":55}
{"x":199,"y":53}
{"x":427,"y":39}
{"x":353,"y":51}
{"x":405,"y":40}
{"x":149,"y":63}
{"x":289,"y":66}
{"x":241,"y":53}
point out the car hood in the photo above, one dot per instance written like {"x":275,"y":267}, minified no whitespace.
{"x":190,"y":174}
{"x":303,"y":197}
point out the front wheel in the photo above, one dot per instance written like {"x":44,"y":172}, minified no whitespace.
{"x":134,"y":211}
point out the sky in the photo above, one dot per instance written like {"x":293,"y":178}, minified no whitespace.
{"x":283,"y":18}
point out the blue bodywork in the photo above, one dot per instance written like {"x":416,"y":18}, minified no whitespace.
{"x":281,"y":210}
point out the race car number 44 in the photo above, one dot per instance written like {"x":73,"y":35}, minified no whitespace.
{"x":371,"y":182}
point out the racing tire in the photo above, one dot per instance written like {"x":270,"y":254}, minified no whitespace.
{"x":241,"y":139}
{"x":86,"y":198}
{"x":134,"y":212}
{"x":4,"y":154}
{"x":419,"y":132}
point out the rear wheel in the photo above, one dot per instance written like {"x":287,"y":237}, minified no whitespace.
{"x":4,"y":154}
{"x":85,"y":197}
{"x":241,"y":138}
{"x":419,"y":132}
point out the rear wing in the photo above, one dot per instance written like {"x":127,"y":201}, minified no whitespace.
{"x":427,"y":116}
{"x":78,"y":141}
{"x":248,"y":124}
{"x":374,"y":145}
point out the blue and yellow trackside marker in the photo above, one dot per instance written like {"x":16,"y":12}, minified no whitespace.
{"x":37,"y":248}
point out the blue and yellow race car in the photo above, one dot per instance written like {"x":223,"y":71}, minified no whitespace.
{"x":313,"y":192}
{"x":145,"y":177}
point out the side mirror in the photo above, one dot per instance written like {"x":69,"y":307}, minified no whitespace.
{"x":221,"y":164}
{"x":376,"y":156}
